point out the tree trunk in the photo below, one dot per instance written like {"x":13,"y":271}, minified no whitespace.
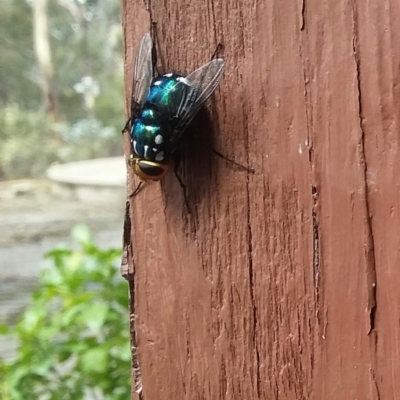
{"x":283,"y":284}
{"x":43,"y":55}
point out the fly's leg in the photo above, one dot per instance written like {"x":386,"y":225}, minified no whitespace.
{"x":126,"y":125}
{"x":220,"y":46}
{"x":137,"y":190}
{"x":224,"y":157}
{"x":134,"y":109}
{"x":220,"y":155}
{"x":182,"y":185}
{"x":154,"y":37}
{"x":153,"y":33}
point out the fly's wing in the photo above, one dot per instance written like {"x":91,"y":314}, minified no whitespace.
{"x":194,"y":90}
{"x":142,"y":73}
{"x":200,"y":86}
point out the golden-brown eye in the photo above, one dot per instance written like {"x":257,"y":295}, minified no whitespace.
{"x":148,"y":170}
{"x":152,"y":170}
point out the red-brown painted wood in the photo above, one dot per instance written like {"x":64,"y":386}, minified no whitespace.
{"x":284,"y":284}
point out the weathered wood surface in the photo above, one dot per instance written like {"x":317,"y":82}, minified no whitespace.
{"x":284,"y":284}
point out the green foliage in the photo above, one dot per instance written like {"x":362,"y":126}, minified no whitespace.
{"x":30,"y":142}
{"x":27,"y":143}
{"x":85,"y":39}
{"x":17,"y":83}
{"x":74,"y":337}
{"x":109,"y":107}
{"x":88,"y":138}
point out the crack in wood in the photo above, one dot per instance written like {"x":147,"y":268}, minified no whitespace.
{"x":214,"y":21}
{"x":251,"y":266}
{"x":126,"y":245}
{"x":128,"y":272}
{"x":137,"y":374}
{"x":369,"y":245}
{"x":252,"y":297}
{"x":316,"y":253}
{"x":302,"y":14}
{"x":314,"y":192}
{"x":378,"y":395}
{"x":146,"y":4}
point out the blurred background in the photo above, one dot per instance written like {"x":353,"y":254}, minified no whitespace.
{"x":61,"y":87}
{"x":61,"y":165}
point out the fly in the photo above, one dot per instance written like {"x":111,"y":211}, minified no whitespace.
{"x":162,"y":108}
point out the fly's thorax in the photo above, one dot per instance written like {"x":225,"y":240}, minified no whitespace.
{"x":148,"y":170}
{"x":167,"y":91}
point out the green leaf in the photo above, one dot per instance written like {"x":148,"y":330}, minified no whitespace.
{"x":31,"y":319}
{"x":95,"y":316}
{"x":81,"y":234}
{"x":123,"y":351}
{"x":77,"y":321}
{"x":94,"y":360}
{"x":71,"y":313}
{"x":4,"y":329}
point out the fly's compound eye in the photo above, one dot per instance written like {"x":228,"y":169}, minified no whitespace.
{"x":148,"y":170}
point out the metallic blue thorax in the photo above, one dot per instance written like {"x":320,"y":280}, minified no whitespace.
{"x":154,"y":125}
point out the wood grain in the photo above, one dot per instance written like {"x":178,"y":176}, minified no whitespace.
{"x":283,"y":284}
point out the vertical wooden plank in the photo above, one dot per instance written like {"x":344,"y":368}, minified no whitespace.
{"x":379,"y":58}
{"x":282,"y":284}
{"x":341,"y":205}
{"x":135,"y":24}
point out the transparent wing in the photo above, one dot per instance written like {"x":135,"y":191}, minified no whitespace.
{"x":201,"y":85}
{"x":143,"y":71}
{"x":206,"y":79}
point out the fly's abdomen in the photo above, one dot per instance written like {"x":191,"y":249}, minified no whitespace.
{"x":153,"y":129}
{"x":148,"y":136}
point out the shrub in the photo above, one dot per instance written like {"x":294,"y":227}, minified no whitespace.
{"x":74,"y":336}
{"x":30,"y":142}
{"x":27,"y":144}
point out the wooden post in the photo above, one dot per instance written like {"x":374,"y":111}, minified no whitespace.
{"x":284,"y":284}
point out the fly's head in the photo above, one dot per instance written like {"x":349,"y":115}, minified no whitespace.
{"x":147,"y":170}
